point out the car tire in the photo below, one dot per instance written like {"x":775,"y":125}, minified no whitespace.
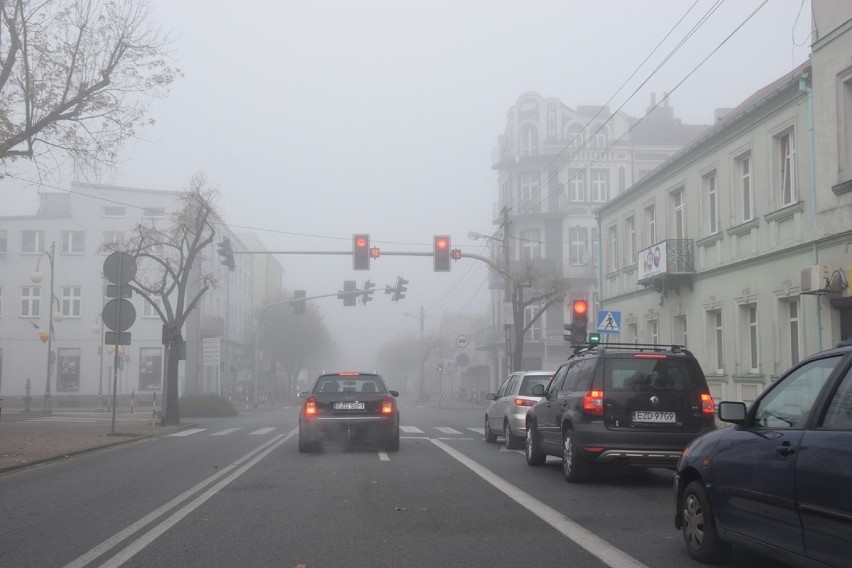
{"x":490,"y":435}
{"x":510,"y":441}
{"x":306,"y":445}
{"x":574,"y":466}
{"x":699,"y":526}
{"x":533,"y":451}
{"x":392,"y":444}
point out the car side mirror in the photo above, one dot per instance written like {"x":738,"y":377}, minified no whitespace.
{"x":304,"y":394}
{"x":538,"y":390}
{"x":734,"y":412}
{"x":491,"y":396}
{"x":394,"y":393}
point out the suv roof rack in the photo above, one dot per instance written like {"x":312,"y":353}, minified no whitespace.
{"x":589,"y":347}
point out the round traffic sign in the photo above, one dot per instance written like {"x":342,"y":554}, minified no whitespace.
{"x":462,"y":341}
{"x":119,"y":267}
{"x":462,"y":359}
{"x":119,"y":314}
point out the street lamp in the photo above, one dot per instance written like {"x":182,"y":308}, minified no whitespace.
{"x":56,"y":316}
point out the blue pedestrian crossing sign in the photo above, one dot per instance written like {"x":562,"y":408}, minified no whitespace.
{"x":609,"y":322}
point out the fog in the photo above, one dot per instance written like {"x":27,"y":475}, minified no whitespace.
{"x":326,"y":118}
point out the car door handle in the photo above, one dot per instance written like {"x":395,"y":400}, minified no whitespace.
{"x":785,"y":450}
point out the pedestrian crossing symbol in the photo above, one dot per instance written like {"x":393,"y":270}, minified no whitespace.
{"x":609,"y":322}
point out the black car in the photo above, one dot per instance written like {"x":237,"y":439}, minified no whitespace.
{"x":630,"y":404}
{"x":780,"y":480}
{"x":349,"y":406}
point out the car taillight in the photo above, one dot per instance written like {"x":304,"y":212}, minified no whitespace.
{"x":524,"y":402}
{"x":593,"y":403}
{"x":310,"y":406}
{"x":708,"y":407}
{"x":387,"y":405}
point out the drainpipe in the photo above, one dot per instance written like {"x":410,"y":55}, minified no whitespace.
{"x":804,"y":87}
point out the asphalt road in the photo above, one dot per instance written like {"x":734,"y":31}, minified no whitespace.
{"x":237,"y":492}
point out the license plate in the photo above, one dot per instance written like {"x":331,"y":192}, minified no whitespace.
{"x":655,"y":416}
{"x":349,"y":406}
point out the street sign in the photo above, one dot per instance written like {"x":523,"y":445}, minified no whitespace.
{"x":119,"y":314}
{"x":211,"y":351}
{"x":462,"y":360}
{"x":117,"y":338}
{"x":462,"y":341}
{"x":119,"y":267}
{"x":609,"y":322}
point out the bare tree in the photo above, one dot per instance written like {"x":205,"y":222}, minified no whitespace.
{"x":168,"y":277}
{"x":75,"y":77}
{"x":545,"y":293}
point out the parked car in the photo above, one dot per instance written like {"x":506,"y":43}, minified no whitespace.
{"x":349,"y":406}
{"x":780,"y":480}
{"x":637,"y":405}
{"x":506,"y":413}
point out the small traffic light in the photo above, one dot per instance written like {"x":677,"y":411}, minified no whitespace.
{"x":299,"y":301}
{"x":348,"y":294}
{"x":399,"y":291}
{"x":455,"y":254}
{"x":227,"y":253}
{"x":441,"y":253}
{"x":367,"y":295}
{"x":361,"y":252}
{"x":580,"y":321}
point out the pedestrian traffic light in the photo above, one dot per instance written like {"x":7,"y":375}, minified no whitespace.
{"x":299,"y":301}
{"x":455,"y":254}
{"x":367,"y":295}
{"x":361,"y":252}
{"x":579,"y":321}
{"x":441,"y":253}
{"x":227,"y":253}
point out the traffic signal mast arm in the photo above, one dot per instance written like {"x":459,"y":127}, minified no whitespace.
{"x":481,"y":258}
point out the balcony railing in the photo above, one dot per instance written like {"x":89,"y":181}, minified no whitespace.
{"x":667,"y":264}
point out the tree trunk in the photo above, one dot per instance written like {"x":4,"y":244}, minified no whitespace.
{"x":171,"y":410}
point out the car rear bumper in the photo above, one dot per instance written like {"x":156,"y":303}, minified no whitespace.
{"x":343,"y":428}
{"x":641,"y":448}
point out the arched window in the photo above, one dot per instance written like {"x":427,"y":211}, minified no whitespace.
{"x":528,"y":140}
{"x":574,"y":135}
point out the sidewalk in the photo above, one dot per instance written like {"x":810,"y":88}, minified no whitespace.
{"x":28,"y":438}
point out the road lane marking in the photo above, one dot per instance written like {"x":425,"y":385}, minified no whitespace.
{"x":447,"y":430}
{"x":225,"y":432}
{"x":188,"y":432}
{"x":261,"y":431}
{"x":592,"y":543}
{"x":235,"y":468}
{"x":383,"y":456}
{"x":411,"y":429}
{"x":478,"y":430}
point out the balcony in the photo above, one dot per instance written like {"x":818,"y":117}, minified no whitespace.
{"x":667,"y":265}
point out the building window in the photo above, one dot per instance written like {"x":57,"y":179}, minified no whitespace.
{"x":742,"y":169}
{"x":150,"y":368}
{"x":531,"y":244}
{"x":716,"y":345}
{"x":534,"y":331}
{"x":599,"y":140}
{"x":32,"y":242}
{"x":679,"y":214}
{"x":73,"y":242}
{"x":577,"y":186}
{"x":68,"y":370}
{"x":712,"y":201}
{"x":114,"y":211}
{"x":653,"y":331}
{"x":612,"y":263}
{"x":154,"y":212}
{"x":846,"y":130}
{"x":30,"y":301}
{"x":3,"y":241}
{"x":71,"y":301}
{"x":113,"y":238}
{"x":600,"y":186}
{"x":679,"y":330}
{"x":785,"y":151}
{"x":630,"y":250}
{"x":528,"y":140}
{"x":790,"y":309}
{"x":632,"y":333}
{"x":578,"y":246}
{"x":650,"y":226}
{"x":751,"y":352}
{"x":575,"y":136}
{"x":530,"y":193}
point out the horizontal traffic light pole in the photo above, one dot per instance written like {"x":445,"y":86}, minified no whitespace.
{"x":481,"y":258}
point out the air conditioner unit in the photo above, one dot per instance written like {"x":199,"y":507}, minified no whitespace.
{"x":815,"y":278}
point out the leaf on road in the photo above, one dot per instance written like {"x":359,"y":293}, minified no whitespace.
{"x":403,"y":509}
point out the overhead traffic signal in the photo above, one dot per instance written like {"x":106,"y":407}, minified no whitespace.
{"x":361,"y":252}
{"x":348,"y":294}
{"x":441,"y":253}
{"x":367,"y":295}
{"x":399,"y":291}
{"x":579,"y":321}
{"x":227,"y":253}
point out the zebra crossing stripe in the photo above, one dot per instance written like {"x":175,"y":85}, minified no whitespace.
{"x":189,"y":432}
{"x":262,"y":431}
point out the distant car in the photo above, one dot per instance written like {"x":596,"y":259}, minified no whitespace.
{"x":349,"y":406}
{"x":636,"y":405}
{"x":507,"y":411}
{"x":780,"y":480}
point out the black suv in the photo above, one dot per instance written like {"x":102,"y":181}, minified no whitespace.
{"x":620,"y":404}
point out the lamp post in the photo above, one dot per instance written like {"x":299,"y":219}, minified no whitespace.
{"x":54,"y":316}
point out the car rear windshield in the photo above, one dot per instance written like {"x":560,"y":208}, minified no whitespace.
{"x":647,"y":374}
{"x":349,"y":383}
{"x":532,"y":380}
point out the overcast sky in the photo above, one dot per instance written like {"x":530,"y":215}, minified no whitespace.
{"x":322,"y":119}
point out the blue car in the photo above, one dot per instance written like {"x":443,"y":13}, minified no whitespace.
{"x":779,"y":481}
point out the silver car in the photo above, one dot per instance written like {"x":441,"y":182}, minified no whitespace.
{"x":507,"y":411}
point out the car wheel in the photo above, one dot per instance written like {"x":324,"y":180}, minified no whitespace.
{"x":490,"y":436}
{"x":699,"y":526}
{"x":574,"y":466}
{"x":306,"y":445}
{"x":510,"y":441}
{"x":392,"y":444}
{"x":535,"y":456}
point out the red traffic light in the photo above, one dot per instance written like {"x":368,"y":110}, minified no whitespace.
{"x":580,"y":307}
{"x":361,"y":242}
{"x":442,"y":243}
{"x":441,"y":253}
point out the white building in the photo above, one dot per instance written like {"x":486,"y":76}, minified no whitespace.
{"x":738,"y":246}
{"x":75,"y":225}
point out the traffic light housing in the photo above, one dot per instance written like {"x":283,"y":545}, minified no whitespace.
{"x":299,"y":301}
{"x":441,"y":253}
{"x":401,"y":287}
{"x":579,"y":321}
{"x":367,"y":295}
{"x":226,"y":251}
{"x":349,"y":293}
{"x":361,"y":252}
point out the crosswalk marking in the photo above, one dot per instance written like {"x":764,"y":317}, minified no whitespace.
{"x":189,"y":432}
{"x":225,"y":432}
{"x":411,"y":429}
{"x":478,"y":430}
{"x":262,"y":431}
{"x":268,"y":430}
{"x":447,"y":430}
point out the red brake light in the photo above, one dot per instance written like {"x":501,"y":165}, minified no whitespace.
{"x":523,"y":402}
{"x":707,"y":404}
{"x":649,"y":356}
{"x":349,"y":374}
{"x":310,"y":406}
{"x":593,"y":403}
{"x":387,"y":405}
